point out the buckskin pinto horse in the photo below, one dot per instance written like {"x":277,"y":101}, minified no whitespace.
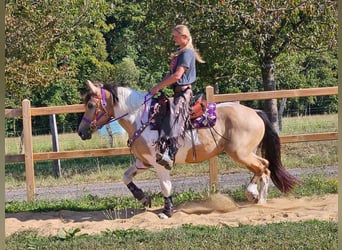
{"x":238,"y":131}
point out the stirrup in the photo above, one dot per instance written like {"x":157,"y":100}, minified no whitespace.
{"x":164,"y":160}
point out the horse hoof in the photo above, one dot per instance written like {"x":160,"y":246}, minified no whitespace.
{"x":252,"y":193}
{"x":254,"y":198}
{"x":261,"y":201}
{"x":146,"y":201}
{"x":163,"y":216}
{"x":166,"y":213}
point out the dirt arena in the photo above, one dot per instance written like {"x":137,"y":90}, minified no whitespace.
{"x":217,"y":210}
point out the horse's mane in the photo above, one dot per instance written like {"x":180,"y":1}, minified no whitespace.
{"x":132,"y":97}
{"x":111,"y":87}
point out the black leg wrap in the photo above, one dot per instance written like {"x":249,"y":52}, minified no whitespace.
{"x":168,"y":206}
{"x":139,"y":194}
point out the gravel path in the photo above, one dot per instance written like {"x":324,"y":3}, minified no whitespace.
{"x":226,"y":182}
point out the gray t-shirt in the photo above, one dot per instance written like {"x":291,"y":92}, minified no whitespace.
{"x":185,"y":59}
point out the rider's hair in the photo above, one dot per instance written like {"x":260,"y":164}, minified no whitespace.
{"x":184,"y":31}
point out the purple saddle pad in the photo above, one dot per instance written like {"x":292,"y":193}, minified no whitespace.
{"x":208,"y":119}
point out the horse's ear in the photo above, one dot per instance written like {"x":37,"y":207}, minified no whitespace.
{"x":92,"y":87}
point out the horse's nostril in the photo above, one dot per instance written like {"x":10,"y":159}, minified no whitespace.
{"x":85,"y":135}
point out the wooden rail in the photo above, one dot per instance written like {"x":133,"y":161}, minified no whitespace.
{"x":277,"y":94}
{"x":29,"y":156}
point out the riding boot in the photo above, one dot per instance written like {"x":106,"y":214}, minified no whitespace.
{"x":162,"y":155}
{"x":167,"y":152}
{"x":168,"y":206}
{"x":173,"y":149}
{"x":139,"y":194}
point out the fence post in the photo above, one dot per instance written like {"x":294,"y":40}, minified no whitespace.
{"x":28,"y":148}
{"x":55,"y":147}
{"x":213,"y":170}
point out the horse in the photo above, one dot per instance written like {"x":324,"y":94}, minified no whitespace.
{"x":239,"y":131}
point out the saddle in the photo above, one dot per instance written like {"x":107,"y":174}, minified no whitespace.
{"x":202,"y":113}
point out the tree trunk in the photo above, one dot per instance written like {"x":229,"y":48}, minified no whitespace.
{"x":216,"y":88}
{"x":280,"y":112}
{"x":267,"y":70}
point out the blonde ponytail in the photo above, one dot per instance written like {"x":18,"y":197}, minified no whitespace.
{"x":184,"y":30}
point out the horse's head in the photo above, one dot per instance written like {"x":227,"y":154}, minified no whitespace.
{"x":98,"y":110}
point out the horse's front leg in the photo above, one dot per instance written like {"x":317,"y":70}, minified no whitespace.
{"x":136,"y":168}
{"x":166,"y":187}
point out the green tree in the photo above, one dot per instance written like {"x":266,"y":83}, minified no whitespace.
{"x":53,"y":46}
{"x":127,"y":73}
{"x":275,"y":27}
{"x":47,"y":43}
{"x":33,"y":32}
{"x":308,"y":70}
{"x":125,"y":43}
{"x":242,"y":39}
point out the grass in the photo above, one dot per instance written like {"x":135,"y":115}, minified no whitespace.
{"x":312,"y":234}
{"x":315,"y":184}
{"x":288,"y":235}
{"x":43,"y":143}
{"x":67,"y":142}
{"x":111,"y":168}
{"x":309,"y":124}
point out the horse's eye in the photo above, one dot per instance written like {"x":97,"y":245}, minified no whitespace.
{"x":90,"y":105}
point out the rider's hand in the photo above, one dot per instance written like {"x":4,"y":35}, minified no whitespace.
{"x":154,"y":90}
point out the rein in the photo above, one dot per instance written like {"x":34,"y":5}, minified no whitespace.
{"x":118,"y":118}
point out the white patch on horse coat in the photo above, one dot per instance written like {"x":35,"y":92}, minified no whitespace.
{"x":252,"y":192}
{"x":163,"y":216}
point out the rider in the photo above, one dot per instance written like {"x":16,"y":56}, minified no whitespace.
{"x":182,"y":75}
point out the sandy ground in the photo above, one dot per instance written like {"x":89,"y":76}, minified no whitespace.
{"x":217,"y":210}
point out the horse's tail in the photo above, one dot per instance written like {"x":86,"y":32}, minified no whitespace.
{"x":270,"y":150}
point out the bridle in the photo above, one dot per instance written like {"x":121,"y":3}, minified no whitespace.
{"x":101,"y":105}
{"x":100,"y":111}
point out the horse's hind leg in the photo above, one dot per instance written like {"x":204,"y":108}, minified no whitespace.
{"x":264,"y":181}
{"x":135,"y":169}
{"x":259,"y":166}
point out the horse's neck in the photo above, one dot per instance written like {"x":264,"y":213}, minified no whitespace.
{"x":130,"y":101}
{"x":131,"y":106}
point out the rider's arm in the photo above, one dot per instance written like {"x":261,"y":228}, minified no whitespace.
{"x":169,"y":80}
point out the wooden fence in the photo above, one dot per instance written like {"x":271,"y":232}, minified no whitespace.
{"x":27,"y":112}
{"x":211,"y":97}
